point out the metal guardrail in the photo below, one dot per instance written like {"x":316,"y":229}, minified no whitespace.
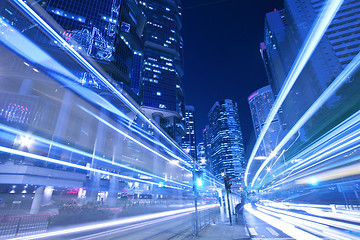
{"x":14,"y":226}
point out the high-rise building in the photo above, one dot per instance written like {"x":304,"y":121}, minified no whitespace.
{"x":227,"y":148}
{"x":189,"y":140}
{"x":110,"y":32}
{"x":207,"y":146}
{"x":260,"y":103}
{"x":201,"y":155}
{"x":342,"y":36}
{"x":285,"y":32}
{"x":162,"y":96}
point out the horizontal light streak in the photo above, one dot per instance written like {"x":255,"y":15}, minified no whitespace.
{"x":131,"y":138}
{"x":319,"y":148}
{"x":337,"y":173}
{"x":129,"y":220}
{"x":313,"y":221}
{"x":75,"y":150}
{"x":296,"y":175}
{"x":346,"y":125}
{"x":309,"y":226}
{"x":283,"y":226}
{"x":334,"y":86}
{"x":56,"y":161}
{"x":128,"y":228}
{"x":328,"y":211}
{"x":313,"y":38}
{"x":326,"y":150}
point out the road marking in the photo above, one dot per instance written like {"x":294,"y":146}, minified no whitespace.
{"x":252,"y":231}
{"x":272,"y":231}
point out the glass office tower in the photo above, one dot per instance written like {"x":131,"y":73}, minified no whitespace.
{"x":285,"y":32}
{"x":261,"y":102}
{"x":227,"y":147}
{"x":110,"y":32}
{"x":189,"y":140}
{"x":162,"y":96}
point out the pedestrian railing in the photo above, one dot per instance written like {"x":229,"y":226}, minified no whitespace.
{"x":13,"y":226}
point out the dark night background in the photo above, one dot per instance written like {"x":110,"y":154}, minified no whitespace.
{"x":221,"y":55}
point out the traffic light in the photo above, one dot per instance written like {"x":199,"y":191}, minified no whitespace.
{"x":198,"y":178}
{"x":227,"y":182}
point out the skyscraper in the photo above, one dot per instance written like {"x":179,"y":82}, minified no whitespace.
{"x":285,"y":32}
{"x":341,"y":36}
{"x":200,"y":153}
{"x":260,"y":103}
{"x":162,"y":96}
{"x":207,"y":146}
{"x":227,"y":148}
{"x":110,"y":32}
{"x":189,"y":140}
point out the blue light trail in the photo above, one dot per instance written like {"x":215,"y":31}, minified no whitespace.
{"x":334,"y":86}
{"x":75,"y":150}
{"x":33,"y":15}
{"x":316,"y":33}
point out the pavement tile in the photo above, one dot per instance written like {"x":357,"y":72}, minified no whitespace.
{"x":222,"y":231}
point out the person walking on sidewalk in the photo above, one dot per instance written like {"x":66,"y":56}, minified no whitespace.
{"x":239,"y":210}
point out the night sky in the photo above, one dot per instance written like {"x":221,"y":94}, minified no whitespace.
{"x":221,"y":55}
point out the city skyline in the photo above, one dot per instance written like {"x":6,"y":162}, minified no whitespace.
{"x":93,"y":114}
{"x":212,"y":71}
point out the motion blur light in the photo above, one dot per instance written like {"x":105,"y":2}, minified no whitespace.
{"x":199,"y":182}
{"x":175,"y":162}
{"x":313,"y":181}
{"x":25,"y":141}
{"x":314,"y":36}
{"x":198,"y":178}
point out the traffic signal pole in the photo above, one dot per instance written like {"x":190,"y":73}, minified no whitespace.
{"x":227,"y":188}
{"x":228,"y":203}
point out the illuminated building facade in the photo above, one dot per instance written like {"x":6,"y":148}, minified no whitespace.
{"x":162,"y":96}
{"x":227,"y":148}
{"x":108,"y":31}
{"x":207,"y":146}
{"x":260,"y":103}
{"x":189,"y":140}
{"x":285,"y":32}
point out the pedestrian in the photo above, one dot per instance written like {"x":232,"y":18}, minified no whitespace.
{"x":239,"y":210}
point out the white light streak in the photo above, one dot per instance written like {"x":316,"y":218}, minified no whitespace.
{"x":334,"y":86}
{"x":284,"y":226}
{"x":316,"y":33}
{"x":56,"y":161}
{"x":34,"y":16}
{"x":75,"y":150}
{"x":128,"y":220}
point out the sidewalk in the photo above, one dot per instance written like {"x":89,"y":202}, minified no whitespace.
{"x":223,"y":231}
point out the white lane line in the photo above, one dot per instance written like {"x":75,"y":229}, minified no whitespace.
{"x":272,"y":231}
{"x":252,"y":231}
